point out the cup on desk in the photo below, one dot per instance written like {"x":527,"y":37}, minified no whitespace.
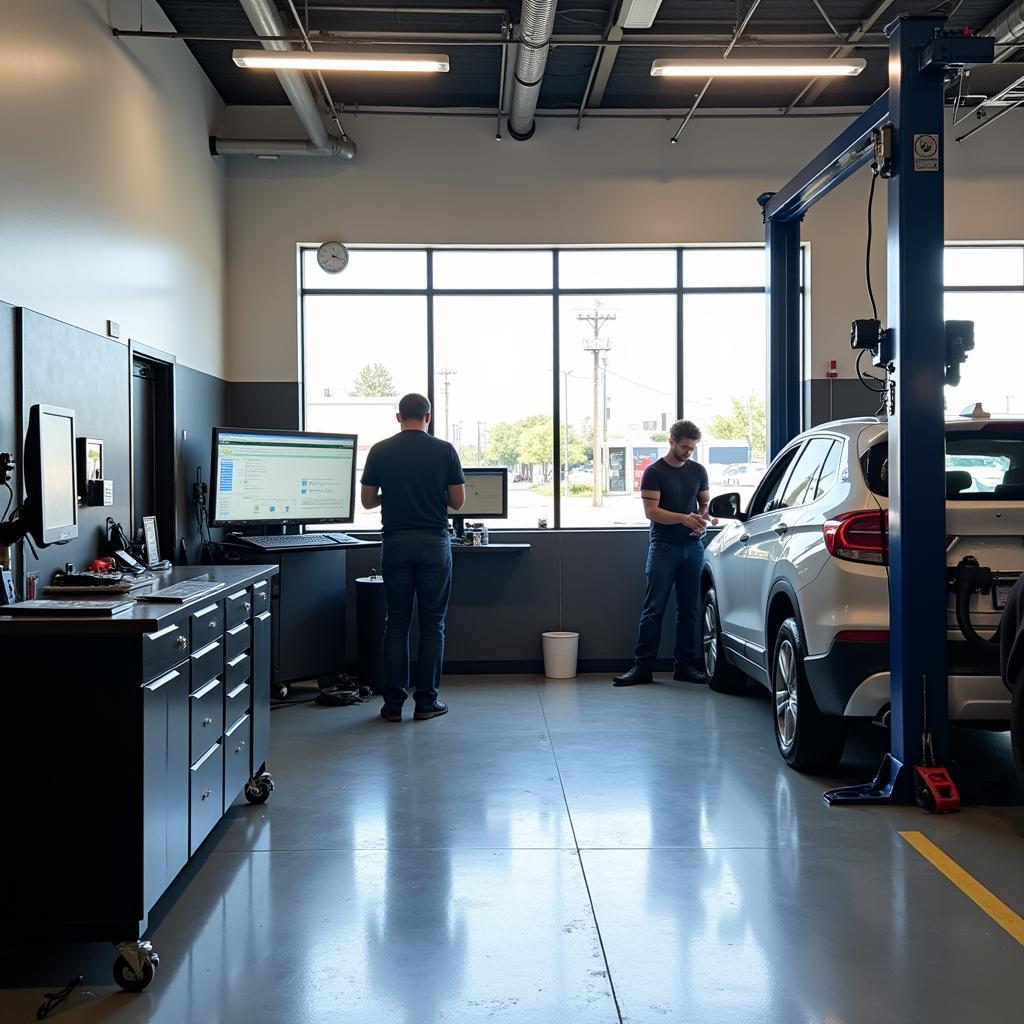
{"x":31,"y":584}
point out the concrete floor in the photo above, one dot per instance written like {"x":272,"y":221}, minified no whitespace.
{"x":568,"y":853}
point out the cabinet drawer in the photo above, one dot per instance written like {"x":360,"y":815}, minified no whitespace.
{"x":206,"y":716}
{"x":236,"y":701}
{"x":207,"y":663}
{"x":237,"y":607}
{"x":206,"y":795}
{"x":261,"y":597}
{"x":237,"y":670}
{"x":163,"y":650}
{"x":236,"y":759}
{"x":237,"y":641}
{"x":206,"y":624}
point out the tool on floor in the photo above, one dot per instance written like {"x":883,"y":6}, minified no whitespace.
{"x":934,"y":789}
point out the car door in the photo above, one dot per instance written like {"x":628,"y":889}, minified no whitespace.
{"x":767,"y":532}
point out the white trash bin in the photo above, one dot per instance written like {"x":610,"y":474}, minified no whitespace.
{"x":560,"y":651}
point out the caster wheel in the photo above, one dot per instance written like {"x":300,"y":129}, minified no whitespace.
{"x":126,"y":977}
{"x":282,"y":690}
{"x":257,"y":791}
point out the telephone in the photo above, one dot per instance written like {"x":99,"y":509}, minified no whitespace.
{"x":128,"y":563}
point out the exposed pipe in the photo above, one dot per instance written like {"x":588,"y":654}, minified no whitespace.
{"x":265,"y":20}
{"x":1008,"y":29}
{"x":536,"y":26}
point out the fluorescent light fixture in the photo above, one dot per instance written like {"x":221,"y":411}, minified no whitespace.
{"x":638,"y":13}
{"x":757,"y":68}
{"x":336,"y":60}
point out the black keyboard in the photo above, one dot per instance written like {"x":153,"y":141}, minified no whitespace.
{"x":277,"y":542}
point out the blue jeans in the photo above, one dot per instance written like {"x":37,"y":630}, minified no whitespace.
{"x":415,"y":564}
{"x":668,"y":566}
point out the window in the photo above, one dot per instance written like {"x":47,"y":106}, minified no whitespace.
{"x":563,"y":365}
{"x":829,"y":472}
{"x":766,"y":497}
{"x":805,"y":473}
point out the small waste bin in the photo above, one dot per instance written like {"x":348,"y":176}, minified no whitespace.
{"x":371,"y":614}
{"x":560,"y":650}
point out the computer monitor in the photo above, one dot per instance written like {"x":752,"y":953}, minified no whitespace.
{"x":281,"y":477}
{"x":486,"y":495}
{"x":50,"y":510}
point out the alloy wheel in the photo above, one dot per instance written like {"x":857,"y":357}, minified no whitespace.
{"x":709,"y":639}
{"x":784,"y":684}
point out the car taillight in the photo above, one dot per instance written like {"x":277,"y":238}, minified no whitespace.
{"x":858,"y":536}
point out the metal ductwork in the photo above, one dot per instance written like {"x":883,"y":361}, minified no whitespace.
{"x":1007,"y":27}
{"x":267,"y":22}
{"x":535,"y":28}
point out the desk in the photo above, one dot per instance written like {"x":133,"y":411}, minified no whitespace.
{"x":124,"y":740}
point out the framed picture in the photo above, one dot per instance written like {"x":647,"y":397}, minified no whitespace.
{"x":90,"y":462}
{"x":152,"y":540}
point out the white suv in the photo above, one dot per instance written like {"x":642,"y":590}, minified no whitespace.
{"x":795,"y":590}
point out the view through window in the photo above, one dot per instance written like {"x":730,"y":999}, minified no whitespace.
{"x":566,"y":366}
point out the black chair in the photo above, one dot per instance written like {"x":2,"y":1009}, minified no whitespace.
{"x":957,"y":480}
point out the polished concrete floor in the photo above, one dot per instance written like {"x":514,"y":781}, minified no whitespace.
{"x":568,"y":853}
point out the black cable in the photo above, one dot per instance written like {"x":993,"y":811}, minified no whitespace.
{"x":869,"y":380}
{"x":56,"y":999}
{"x":867,"y":255}
{"x":10,"y":501}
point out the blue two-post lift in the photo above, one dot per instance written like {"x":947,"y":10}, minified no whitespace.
{"x":921,"y":56}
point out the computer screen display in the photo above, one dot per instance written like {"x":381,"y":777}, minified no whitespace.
{"x":50,"y":511}
{"x":260,"y":477}
{"x":486,"y":494}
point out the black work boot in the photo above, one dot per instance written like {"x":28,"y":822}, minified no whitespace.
{"x":637,"y":674}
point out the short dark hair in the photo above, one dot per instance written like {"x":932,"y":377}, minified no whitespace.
{"x":414,"y":407}
{"x":684,"y":428}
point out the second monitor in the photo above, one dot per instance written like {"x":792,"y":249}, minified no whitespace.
{"x":486,"y":496}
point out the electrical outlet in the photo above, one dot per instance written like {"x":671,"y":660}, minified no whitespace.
{"x":199,"y":493}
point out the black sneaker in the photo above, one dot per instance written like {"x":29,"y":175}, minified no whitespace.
{"x":431,"y":711}
{"x":391,"y":714}
{"x":690,"y":674}
{"x":633,"y":677}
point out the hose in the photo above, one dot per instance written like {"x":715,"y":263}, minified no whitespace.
{"x":971,"y":577}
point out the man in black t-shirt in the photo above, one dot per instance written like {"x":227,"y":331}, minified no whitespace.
{"x":675,"y":494}
{"x":414,"y":478}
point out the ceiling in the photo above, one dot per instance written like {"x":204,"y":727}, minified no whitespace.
{"x":475,"y":75}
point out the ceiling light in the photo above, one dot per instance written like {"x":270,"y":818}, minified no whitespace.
{"x":638,"y":13}
{"x":757,"y":68}
{"x":335,"y":60}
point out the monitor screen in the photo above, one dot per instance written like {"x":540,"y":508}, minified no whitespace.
{"x":486,"y":494}
{"x":57,"y":451}
{"x":261,"y":477}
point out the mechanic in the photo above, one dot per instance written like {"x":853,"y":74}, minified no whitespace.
{"x":675,"y":494}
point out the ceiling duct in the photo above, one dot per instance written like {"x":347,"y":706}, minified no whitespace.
{"x":1007,"y":27}
{"x":535,"y":29}
{"x":266,"y":21}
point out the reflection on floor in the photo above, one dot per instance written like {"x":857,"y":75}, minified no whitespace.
{"x":563,"y":852}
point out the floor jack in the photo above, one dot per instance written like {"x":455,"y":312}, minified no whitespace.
{"x":934,"y":788}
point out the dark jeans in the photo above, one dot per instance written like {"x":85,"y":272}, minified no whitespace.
{"x":668,"y":566}
{"x":415,"y":564}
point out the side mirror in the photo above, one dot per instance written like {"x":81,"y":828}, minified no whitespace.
{"x":726,"y":506}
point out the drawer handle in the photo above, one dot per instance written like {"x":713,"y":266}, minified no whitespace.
{"x":207,"y":794}
{"x":212,"y":623}
{"x":207,"y":721}
{"x":182,"y":642}
{"x":157,"y":683}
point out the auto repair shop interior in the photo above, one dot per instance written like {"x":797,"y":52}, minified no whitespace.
{"x":236,"y":233}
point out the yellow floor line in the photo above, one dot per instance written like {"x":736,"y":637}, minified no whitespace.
{"x":970,"y":886}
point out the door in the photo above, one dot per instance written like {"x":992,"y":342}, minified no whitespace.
{"x":153,"y":458}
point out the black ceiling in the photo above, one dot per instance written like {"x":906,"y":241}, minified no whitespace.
{"x":475,"y":69}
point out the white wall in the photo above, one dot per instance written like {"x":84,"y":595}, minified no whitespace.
{"x":445,"y":180}
{"x":110,"y":204}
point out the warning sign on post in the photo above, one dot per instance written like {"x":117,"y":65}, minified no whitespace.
{"x":926,"y":152}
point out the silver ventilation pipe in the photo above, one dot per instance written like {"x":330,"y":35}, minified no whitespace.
{"x":1007,"y":27}
{"x":535,"y":28}
{"x":267,"y":22}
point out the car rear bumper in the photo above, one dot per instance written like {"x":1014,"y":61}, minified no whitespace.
{"x":852,"y":679}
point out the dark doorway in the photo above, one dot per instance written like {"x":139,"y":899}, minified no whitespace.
{"x":153,"y":463}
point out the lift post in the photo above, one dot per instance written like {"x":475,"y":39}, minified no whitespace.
{"x":919,"y":56}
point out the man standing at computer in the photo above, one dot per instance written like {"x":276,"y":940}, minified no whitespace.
{"x":414,"y":478}
{"x":675,"y":494}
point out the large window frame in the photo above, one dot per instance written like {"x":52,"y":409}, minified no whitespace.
{"x":556,"y":293}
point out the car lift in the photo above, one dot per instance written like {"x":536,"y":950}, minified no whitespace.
{"x":921,"y":55}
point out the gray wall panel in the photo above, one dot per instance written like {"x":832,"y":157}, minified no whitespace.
{"x":273,"y":404}
{"x":826,"y":400}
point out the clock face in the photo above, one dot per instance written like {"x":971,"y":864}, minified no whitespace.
{"x":332,"y":257}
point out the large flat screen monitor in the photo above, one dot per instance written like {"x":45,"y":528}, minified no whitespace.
{"x":281,"y":477}
{"x":486,"y":494}
{"x":51,"y":491}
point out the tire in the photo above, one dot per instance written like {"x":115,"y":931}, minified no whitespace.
{"x":723,"y":677}
{"x":128,"y":979}
{"x":1017,"y":729}
{"x":807,"y":740}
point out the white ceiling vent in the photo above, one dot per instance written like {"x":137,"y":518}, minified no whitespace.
{"x":638,"y":13}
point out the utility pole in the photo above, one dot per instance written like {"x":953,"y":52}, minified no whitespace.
{"x":566,"y":374}
{"x":446,"y":373}
{"x":479,"y":447}
{"x":597,"y":319}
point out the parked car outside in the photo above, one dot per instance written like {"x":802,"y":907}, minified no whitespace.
{"x":795,"y":592}
{"x":744,"y":474}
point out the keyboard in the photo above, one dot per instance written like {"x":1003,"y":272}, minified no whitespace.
{"x":278,"y":542}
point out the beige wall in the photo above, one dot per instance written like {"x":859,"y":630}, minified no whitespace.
{"x":445,"y":180}
{"x":110,"y":204}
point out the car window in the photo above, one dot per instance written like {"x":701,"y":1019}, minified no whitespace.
{"x":772,"y":484}
{"x":829,"y":472}
{"x":806,"y":471}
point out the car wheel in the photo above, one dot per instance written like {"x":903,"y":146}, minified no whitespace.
{"x":723,"y":677}
{"x":807,"y":740}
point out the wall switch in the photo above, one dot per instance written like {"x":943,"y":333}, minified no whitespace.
{"x":113,"y":330}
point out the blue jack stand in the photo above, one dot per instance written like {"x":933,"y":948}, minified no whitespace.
{"x":887,"y":787}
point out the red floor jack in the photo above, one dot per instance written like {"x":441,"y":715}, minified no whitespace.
{"x":934,"y":789}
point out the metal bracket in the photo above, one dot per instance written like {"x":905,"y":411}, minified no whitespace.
{"x":957,"y":51}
